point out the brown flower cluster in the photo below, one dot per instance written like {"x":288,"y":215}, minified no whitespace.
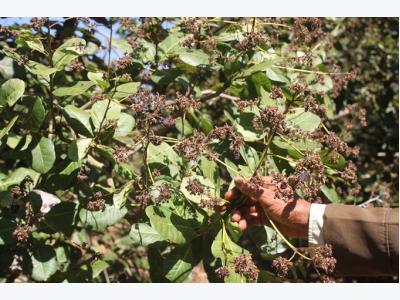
{"x":269,"y":118}
{"x":124,"y":61}
{"x":310,"y":104}
{"x":334,"y":143}
{"x":341,"y":81}
{"x":183,"y":104}
{"x":323,"y":259}
{"x":283,"y":189}
{"x":191,"y":25}
{"x":245,"y":266}
{"x":194,"y":146}
{"x":164,"y":194}
{"x":250,"y":41}
{"x":309,"y":175}
{"x":236,"y":141}
{"x":121,"y":153}
{"x":22,"y":233}
{"x":308,"y":30}
{"x":212,"y":203}
{"x":243,"y":104}
{"x":276,"y":92}
{"x":349,"y":174}
{"x":222,"y":272}
{"x":195,"y":187}
{"x":96,"y":202}
{"x":38,"y":23}
{"x":281,"y":266}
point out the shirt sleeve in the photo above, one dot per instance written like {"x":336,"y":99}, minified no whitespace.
{"x":315,"y":225}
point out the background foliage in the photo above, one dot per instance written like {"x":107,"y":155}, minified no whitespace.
{"x":119,"y":137}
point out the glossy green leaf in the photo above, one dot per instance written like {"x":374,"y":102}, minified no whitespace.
{"x":179,"y":263}
{"x":78,"y":119}
{"x":125,"y":125}
{"x":209,"y":188}
{"x":11,"y":91}
{"x":79,"y":148}
{"x":103,"y":111}
{"x":125,"y":90}
{"x":79,"y":88}
{"x":43,"y":156}
{"x":68,"y":51}
{"x":17,"y":176}
{"x":194,"y":58}
{"x":4,"y":131}
{"x":39,"y":69}
{"x":276,"y":74}
{"x":303,"y":120}
{"x":144,"y":234}
{"x":36,"y":113}
{"x":101,"y":219}
{"x":44,"y":263}
{"x":170,"y":226}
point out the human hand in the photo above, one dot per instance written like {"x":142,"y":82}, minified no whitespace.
{"x":291,"y":217}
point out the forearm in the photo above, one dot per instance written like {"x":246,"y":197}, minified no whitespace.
{"x":365,"y":240}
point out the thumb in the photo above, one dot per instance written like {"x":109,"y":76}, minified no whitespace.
{"x":248,"y":189}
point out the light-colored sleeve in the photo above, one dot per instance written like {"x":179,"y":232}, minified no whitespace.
{"x":315,"y":225}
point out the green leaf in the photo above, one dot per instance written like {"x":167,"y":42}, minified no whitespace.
{"x":186,"y":129}
{"x":144,"y":234}
{"x":225,"y":249}
{"x":179,"y":263}
{"x":78,"y":119}
{"x":36,"y":44}
{"x":303,"y":120}
{"x":7,"y":67}
{"x":330,"y":193}
{"x":11,"y":91}
{"x":326,"y":157}
{"x":43,"y":156}
{"x":120,"y":197}
{"x":276,"y":75}
{"x":171,"y":44}
{"x":103,"y":111}
{"x":61,"y":217}
{"x":97,"y":78}
{"x":250,"y":156}
{"x":209,"y":168}
{"x":44,"y":263}
{"x":163,"y":154}
{"x":209,"y":188}
{"x":267,"y":241}
{"x":98,"y":266}
{"x":78,"y":149}
{"x":68,"y":51}
{"x":39,"y":69}
{"x":7,"y":227}
{"x":101,"y":219}
{"x":125,"y":125}
{"x":36,"y":113}
{"x":17,"y":176}
{"x":77,"y":89}
{"x":256,"y":68}
{"x":170,"y":226}
{"x":194,"y":58}
{"x":4,"y":131}
{"x":122,"y":45}
{"x":126,"y":90}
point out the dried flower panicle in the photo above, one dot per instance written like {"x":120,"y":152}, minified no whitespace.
{"x":183,"y":104}
{"x":270,"y":117}
{"x":124,"y":61}
{"x":281,"y":266}
{"x":250,"y":41}
{"x":222,"y":272}
{"x":194,"y":146}
{"x":245,"y":266}
{"x":17,"y":192}
{"x":22,"y":233}
{"x":308,"y":30}
{"x":96,"y":202}
{"x":122,"y":153}
{"x":164,"y":193}
{"x":236,"y":141}
{"x":283,"y":189}
{"x":191,"y":25}
{"x":276,"y":92}
{"x":323,"y":259}
{"x":195,"y":187}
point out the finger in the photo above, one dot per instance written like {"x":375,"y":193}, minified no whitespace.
{"x":236,"y":216}
{"x":248,"y":189}
{"x":232,"y":194}
{"x":243,"y":224}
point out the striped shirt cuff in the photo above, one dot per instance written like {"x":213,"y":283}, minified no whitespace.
{"x":315,"y":224}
